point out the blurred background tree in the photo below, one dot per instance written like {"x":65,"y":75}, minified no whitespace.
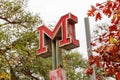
{"x":75,"y":65}
{"x":17,"y":28}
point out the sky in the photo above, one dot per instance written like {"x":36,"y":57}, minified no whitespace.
{"x":51,"y":10}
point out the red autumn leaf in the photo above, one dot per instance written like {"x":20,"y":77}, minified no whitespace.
{"x":89,"y":71}
{"x":117,"y":21}
{"x":93,"y":44}
{"x":110,"y":13}
{"x":112,"y":48}
{"x":99,"y":50}
{"x":91,"y":60}
{"x":109,"y":51}
{"x":118,"y":76}
{"x":98,"y":4}
{"x":98,"y":62}
{"x":110,"y":71}
{"x":104,"y":35}
{"x":118,"y":8}
{"x":111,"y":35}
{"x":100,"y":39}
{"x":114,"y":6}
{"x":93,"y":8}
{"x":105,"y":11}
{"x":101,"y":6}
{"x":98,"y":16}
{"x":113,"y":28}
{"x":118,"y":68}
{"x":109,"y":4}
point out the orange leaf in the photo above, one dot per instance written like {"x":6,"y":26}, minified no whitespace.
{"x":110,"y":71}
{"x":118,"y":34}
{"x":91,"y":12}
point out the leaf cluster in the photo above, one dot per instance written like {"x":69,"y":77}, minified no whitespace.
{"x":107,"y":45}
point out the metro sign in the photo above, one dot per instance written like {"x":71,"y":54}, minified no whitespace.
{"x":58,"y":74}
{"x":64,"y":31}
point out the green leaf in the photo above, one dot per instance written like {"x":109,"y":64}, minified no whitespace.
{"x":112,"y":40}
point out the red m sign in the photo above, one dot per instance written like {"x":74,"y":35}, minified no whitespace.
{"x":64,"y":31}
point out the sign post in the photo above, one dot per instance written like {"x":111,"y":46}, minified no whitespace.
{"x":53,"y":55}
{"x":52,"y":41}
{"x":58,"y":54}
{"x":88,"y":40}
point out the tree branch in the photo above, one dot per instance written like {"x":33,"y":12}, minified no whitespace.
{"x":12,"y":22}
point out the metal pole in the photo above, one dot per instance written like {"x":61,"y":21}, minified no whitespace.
{"x":53,"y":55}
{"x":58,"y":54}
{"x":88,"y":40}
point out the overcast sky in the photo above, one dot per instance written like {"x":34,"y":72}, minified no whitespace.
{"x":51,"y":11}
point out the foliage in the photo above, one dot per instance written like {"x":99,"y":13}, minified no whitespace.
{"x":16,"y":33}
{"x":107,"y":45}
{"x":74,"y":65}
{"x":110,"y":8}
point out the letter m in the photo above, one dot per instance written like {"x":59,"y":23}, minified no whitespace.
{"x":64,"y":31}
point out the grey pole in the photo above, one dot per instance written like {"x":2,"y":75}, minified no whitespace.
{"x":88,"y":40}
{"x":53,"y":55}
{"x":58,"y":54}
